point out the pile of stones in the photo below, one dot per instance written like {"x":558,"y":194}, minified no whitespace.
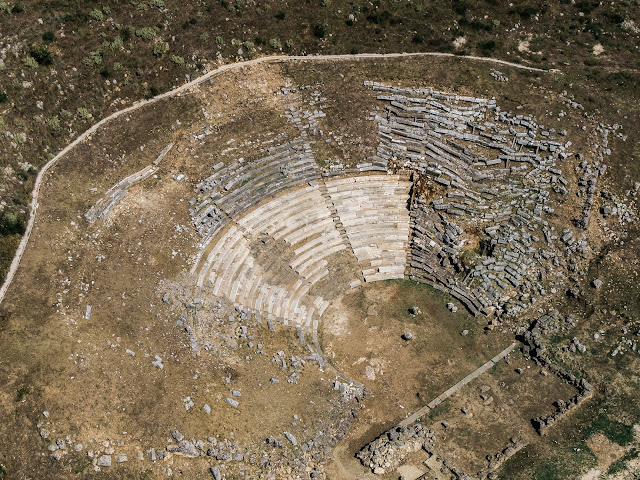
{"x":387,"y":451}
{"x":478,"y":168}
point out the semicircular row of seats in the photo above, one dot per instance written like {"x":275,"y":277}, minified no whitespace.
{"x":372,"y":209}
{"x":375,"y":215}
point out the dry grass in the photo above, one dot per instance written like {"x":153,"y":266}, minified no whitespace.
{"x":94,"y":391}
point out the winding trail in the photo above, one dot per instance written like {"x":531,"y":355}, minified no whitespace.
{"x":269,"y":59}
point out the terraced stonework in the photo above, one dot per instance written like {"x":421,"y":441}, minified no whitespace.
{"x":459,"y":196}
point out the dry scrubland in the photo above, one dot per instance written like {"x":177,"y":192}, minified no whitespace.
{"x":74,"y":366}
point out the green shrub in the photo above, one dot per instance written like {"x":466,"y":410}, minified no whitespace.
{"x":125,"y":34}
{"x":275,"y":44}
{"x":17,"y":8}
{"x":117,"y":66}
{"x":106,"y":10}
{"x":140,"y":6}
{"x":526,"y":11}
{"x":117,"y":44}
{"x":289,"y":44}
{"x":159,"y":49}
{"x":326,"y":3}
{"x":417,"y":38}
{"x":204,"y":36}
{"x":587,"y":6}
{"x":460,"y":6}
{"x":83,"y":113}
{"x":616,"y":15}
{"x":220,"y":40}
{"x":3,"y":96}
{"x":280,"y":15}
{"x":320,"y":30}
{"x":178,"y":60}
{"x":65,"y":114}
{"x":248,"y":45}
{"x":96,"y":15}
{"x":11,"y":223}
{"x":48,"y":36}
{"x":94,"y":58}
{"x":487,"y":46}
{"x":20,"y":138}
{"x":157,"y":3}
{"x":30,"y":62}
{"x":54,"y":123}
{"x":41,"y":54}
{"x":4,"y":7}
{"x":147,"y":33}
{"x":235,"y":42}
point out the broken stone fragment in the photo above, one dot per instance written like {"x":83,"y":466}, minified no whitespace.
{"x":597,"y":283}
{"x":215,"y":471}
{"x":165,"y":298}
{"x":232,"y":402}
{"x":187,"y":449}
{"x":104,"y":461}
{"x":291,"y":438}
{"x":414,"y":311}
{"x":407,"y":336}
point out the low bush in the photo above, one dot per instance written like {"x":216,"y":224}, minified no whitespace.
{"x":83,"y":113}
{"x":146,"y":33}
{"x":96,"y":15}
{"x":159,"y":49}
{"x":41,"y":54}
{"x":320,"y":30}
{"x":275,"y":44}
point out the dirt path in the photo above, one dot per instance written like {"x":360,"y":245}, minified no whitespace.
{"x":269,"y":59}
